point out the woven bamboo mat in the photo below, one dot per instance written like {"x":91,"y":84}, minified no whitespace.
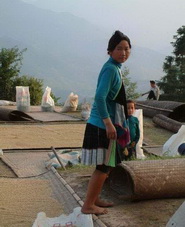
{"x":10,"y":113}
{"x":150,"y":179}
{"x":26,"y":164}
{"x":154,"y":150}
{"x":22,"y":199}
{"x":6,"y":171}
{"x":31,"y":192}
{"x":32,"y":165}
{"x":41,"y":136}
{"x":30,"y":168}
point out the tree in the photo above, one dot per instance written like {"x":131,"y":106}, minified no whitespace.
{"x":56,"y":99}
{"x":179,"y":50}
{"x":173,"y":83}
{"x":130,"y":87}
{"x":10,"y":64}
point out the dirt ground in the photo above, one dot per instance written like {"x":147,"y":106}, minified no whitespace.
{"x":153,"y":213}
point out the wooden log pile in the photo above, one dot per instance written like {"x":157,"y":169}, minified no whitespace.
{"x":167,"y":114}
{"x":167,"y":123}
{"x":171,"y":109}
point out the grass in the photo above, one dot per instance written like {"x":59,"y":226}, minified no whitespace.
{"x":85,"y":169}
{"x":78,"y":167}
{"x":153,"y":134}
{"x":154,"y":157}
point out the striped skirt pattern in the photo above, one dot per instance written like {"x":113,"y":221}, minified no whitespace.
{"x":95,"y":146}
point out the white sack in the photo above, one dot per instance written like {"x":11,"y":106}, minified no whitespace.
{"x":47,"y":103}
{"x":71,"y":103}
{"x":170,"y":148}
{"x":139,"y":151}
{"x":72,"y":158}
{"x":86,"y":110}
{"x":22,"y":98}
{"x":7,"y":103}
{"x":178,"y":219}
{"x":76,"y":218}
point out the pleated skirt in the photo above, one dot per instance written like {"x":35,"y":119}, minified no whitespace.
{"x":95,"y":146}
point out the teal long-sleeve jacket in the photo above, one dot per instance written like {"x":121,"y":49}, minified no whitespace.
{"x":133,"y":123}
{"x":108,"y":86}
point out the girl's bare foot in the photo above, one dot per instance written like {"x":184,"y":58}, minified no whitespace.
{"x":102,"y":203}
{"x":94,"y":210}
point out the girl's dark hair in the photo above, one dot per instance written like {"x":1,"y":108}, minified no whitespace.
{"x":116,"y":38}
{"x":131,"y":101}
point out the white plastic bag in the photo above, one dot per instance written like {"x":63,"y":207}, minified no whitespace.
{"x":22,"y":98}
{"x":71,"y":103}
{"x":1,"y":152}
{"x":170,"y":148}
{"x":178,"y":219}
{"x":48,"y":103}
{"x":86,"y":109}
{"x":76,"y":218}
{"x":7,"y":103}
{"x":68,"y":158}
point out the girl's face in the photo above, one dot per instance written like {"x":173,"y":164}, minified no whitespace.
{"x":121,"y":52}
{"x":130,"y":108}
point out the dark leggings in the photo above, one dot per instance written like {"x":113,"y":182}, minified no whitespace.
{"x":103,"y":168}
{"x":152,"y":95}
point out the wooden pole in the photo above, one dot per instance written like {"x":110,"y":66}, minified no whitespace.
{"x":54,"y":151}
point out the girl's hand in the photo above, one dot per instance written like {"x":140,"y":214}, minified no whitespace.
{"x":133,"y":144}
{"x":110,"y":129}
{"x":125,"y":152}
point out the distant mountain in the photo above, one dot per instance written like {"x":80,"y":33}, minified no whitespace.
{"x":145,"y":64}
{"x":64,"y":50}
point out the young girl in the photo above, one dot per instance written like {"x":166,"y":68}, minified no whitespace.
{"x":133,"y":123}
{"x":106,"y":133}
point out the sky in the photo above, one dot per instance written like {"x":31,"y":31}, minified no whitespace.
{"x":148,"y":23}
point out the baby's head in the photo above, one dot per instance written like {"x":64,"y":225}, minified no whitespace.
{"x":130,"y":107}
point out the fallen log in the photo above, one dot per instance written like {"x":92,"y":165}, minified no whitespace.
{"x":167,"y":123}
